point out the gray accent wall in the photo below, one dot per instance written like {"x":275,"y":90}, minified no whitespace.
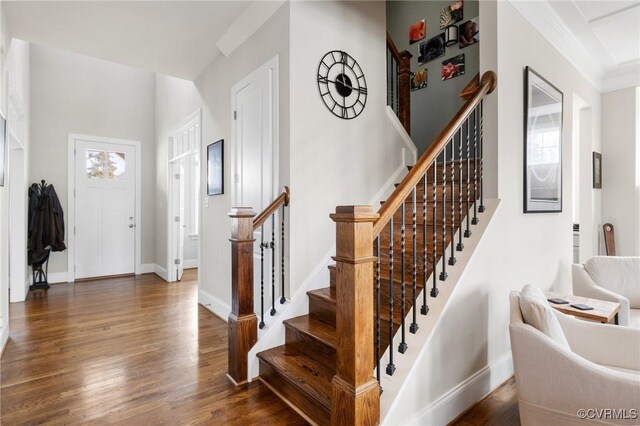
{"x":433,"y":106}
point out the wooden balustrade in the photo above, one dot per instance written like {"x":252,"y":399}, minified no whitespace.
{"x":243,"y":321}
{"x":355,"y":394}
{"x":403,"y":83}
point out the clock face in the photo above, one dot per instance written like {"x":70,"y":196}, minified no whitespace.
{"x":342,"y":85}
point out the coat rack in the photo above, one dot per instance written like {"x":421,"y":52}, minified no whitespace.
{"x":40,"y":267}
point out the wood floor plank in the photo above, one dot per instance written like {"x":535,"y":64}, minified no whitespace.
{"x":128,"y":350}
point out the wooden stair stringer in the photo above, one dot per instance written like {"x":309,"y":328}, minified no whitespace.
{"x":418,"y":344}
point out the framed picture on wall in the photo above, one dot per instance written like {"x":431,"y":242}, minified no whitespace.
{"x":3,"y":148}
{"x":597,"y":170}
{"x":542,"y":145}
{"x":215,"y":168}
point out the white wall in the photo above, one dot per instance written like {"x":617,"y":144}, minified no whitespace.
{"x":175,"y":101}
{"x":14,"y":66}
{"x":214,"y":86}
{"x":334,"y":161}
{"x":619,"y":168}
{"x":517,"y":248}
{"x":71,"y":93}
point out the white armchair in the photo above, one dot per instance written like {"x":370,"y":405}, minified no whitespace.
{"x":600,"y":369}
{"x":615,"y":279}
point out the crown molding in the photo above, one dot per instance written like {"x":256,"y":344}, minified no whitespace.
{"x":544,"y":19}
{"x":622,"y":77}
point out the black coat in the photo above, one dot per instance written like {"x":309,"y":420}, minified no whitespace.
{"x":46,"y":223}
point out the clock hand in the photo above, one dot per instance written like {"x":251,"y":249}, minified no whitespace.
{"x":344,"y":84}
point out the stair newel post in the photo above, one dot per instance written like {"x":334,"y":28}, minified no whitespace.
{"x":355,"y":391}
{"x":243,"y":322}
{"x":404,"y":90}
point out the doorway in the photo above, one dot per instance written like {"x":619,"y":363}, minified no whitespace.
{"x":254,"y":103}
{"x":184,"y":197}
{"x":104,"y":207}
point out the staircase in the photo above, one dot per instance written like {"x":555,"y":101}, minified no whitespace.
{"x":302,"y":369}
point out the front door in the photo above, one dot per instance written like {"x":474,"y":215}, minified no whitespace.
{"x":104,"y":209}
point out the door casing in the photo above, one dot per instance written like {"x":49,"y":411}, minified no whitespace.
{"x":71,"y":187}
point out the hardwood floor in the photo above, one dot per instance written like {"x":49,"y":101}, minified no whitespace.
{"x":498,"y":408}
{"x":125,"y":351}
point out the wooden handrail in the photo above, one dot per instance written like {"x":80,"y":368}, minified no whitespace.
{"x":392,"y":47}
{"x":282,"y":199}
{"x":386,"y":212}
{"x":471,"y":88}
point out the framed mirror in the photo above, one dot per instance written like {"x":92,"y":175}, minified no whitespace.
{"x":542,"y":145}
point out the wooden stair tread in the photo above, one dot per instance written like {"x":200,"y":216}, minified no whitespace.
{"x":315,"y":328}
{"x":310,"y":377}
{"x":328,"y":294}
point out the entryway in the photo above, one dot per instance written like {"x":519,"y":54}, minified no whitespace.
{"x":184,"y":197}
{"x":104,"y":207}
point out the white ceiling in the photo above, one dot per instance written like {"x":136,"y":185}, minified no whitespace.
{"x":600,"y":37}
{"x":177,"y":38}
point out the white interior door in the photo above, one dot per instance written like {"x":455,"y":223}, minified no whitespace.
{"x":254,"y":122}
{"x":181,"y":219}
{"x":104,"y":209}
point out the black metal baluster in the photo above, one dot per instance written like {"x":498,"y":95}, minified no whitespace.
{"x":443,"y":273}
{"x":460,"y":246}
{"x":391,"y":368}
{"x":261,"y":325}
{"x":481,"y":208}
{"x":402,"y":347}
{"x":413,"y":328}
{"x":273,"y":265}
{"x":467,"y":232}
{"x":434,"y":257}
{"x":452,"y":258}
{"x":378,"y":334}
{"x":475,"y":219}
{"x":282,"y":298}
{"x":425,"y":307}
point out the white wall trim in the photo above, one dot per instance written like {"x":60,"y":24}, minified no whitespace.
{"x":622,"y":77}
{"x":247,"y":24}
{"x":146,"y":268}
{"x":193,"y":119}
{"x":411,"y":146}
{"x":215,"y":305}
{"x":464,"y":395}
{"x":191,"y":263}
{"x":547,"y":22}
{"x":161,"y":272}
{"x":71,"y":182}
{"x":4,"y":337}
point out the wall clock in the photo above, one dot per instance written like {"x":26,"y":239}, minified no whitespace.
{"x":342,"y":85}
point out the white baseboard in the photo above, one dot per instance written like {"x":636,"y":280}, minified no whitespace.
{"x":4,"y":337}
{"x":215,"y":305}
{"x":467,"y":393}
{"x":161,"y":272}
{"x":147,"y":268}
{"x":191,"y":263}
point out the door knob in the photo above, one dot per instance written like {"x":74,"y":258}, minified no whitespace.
{"x":131,"y":225}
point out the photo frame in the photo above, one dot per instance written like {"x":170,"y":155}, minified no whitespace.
{"x":417,"y":31}
{"x":597,"y":170}
{"x":543,"y":113}
{"x":3,"y":148}
{"x":215,"y":168}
